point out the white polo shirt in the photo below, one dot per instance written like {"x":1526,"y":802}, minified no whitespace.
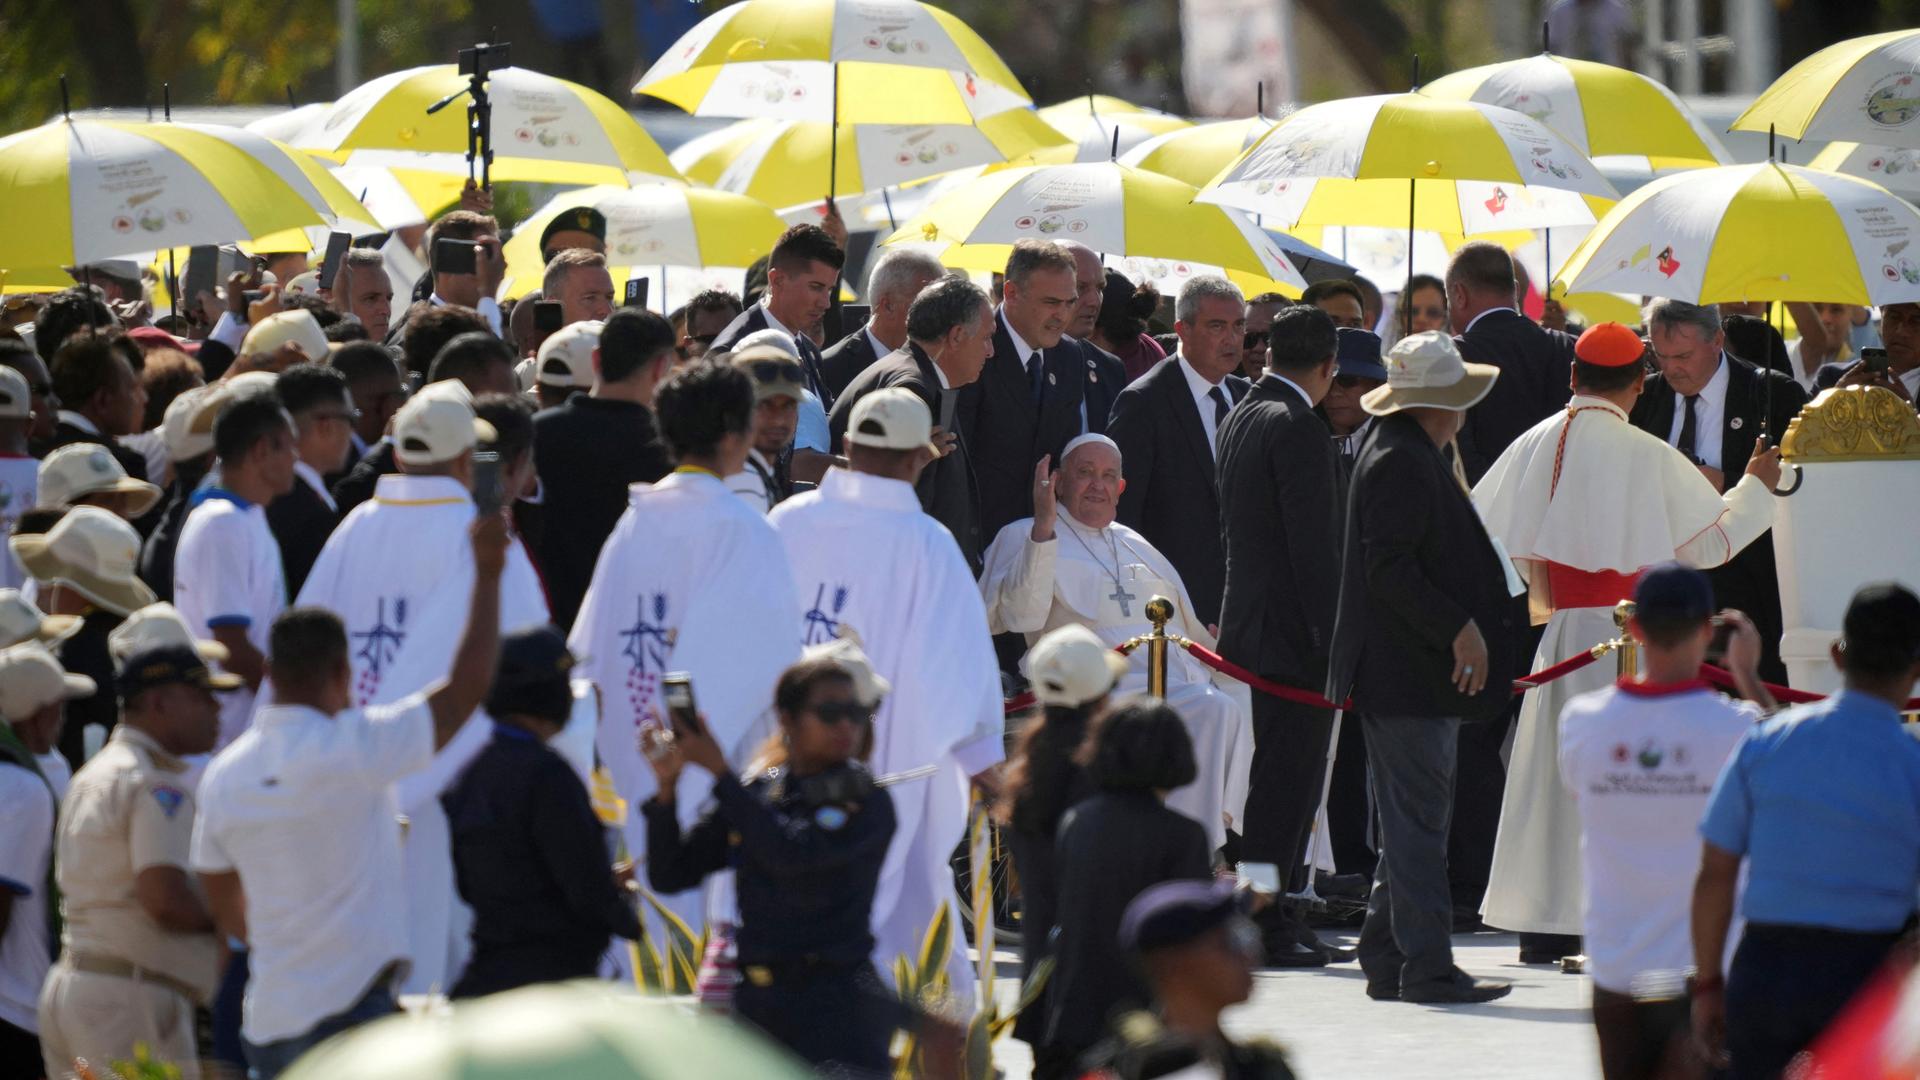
{"x":19,"y":485}
{"x":301,"y":806}
{"x":1640,"y":762}
{"x":26,"y":843}
{"x":227,"y":572}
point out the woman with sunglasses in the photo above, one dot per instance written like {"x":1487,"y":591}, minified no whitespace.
{"x":805,"y":835}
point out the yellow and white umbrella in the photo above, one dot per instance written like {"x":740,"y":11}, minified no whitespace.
{"x":1114,"y":209}
{"x":835,"y":61}
{"x":786,"y":163}
{"x":398,"y":198}
{"x":543,"y":129}
{"x":1754,"y":232}
{"x":1866,"y":89}
{"x":652,"y":226}
{"x":1194,"y":155}
{"x":1096,"y":124}
{"x":1895,"y":168}
{"x":81,"y":190}
{"x":1607,"y":113}
{"x":286,"y":125}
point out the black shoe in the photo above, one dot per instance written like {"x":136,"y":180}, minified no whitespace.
{"x":1540,"y":956}
{"x":1467,"y":921}
{"x":1342,"y":886}
{"x":1458,"y":989}
{"x":1383,"y":991}
{"x":1304,"y":936}
{"x":1286,"y":953}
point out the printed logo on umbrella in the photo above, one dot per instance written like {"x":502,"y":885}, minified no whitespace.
{"x":1667,"y":263}
{"x":1894,"y":100}
{"x":1498,"y":202}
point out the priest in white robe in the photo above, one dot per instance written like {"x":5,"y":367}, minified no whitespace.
{"x":1073,"y":563}
{"x":692,"y":579}
{"x":866,"y":556}
{"x":1582,"y":502}
{"x":395,"y":571}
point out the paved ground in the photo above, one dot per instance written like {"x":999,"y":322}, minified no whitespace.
{"x":1332,"y":1030}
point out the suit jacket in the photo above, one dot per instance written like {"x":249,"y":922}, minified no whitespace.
{"x":1278,"y":513}
{"x":301,"y":522}
{"x":365,"y":475}
{"x":1536,"y":366}
{"x":1417,"y":567}
{"x":1008,"y":435}
{"x":1748,"y":581}
{"x":753,"y":320}
{"x":948,"y":489}
{"x":845,"y":359}
{"x":1172,"y":495}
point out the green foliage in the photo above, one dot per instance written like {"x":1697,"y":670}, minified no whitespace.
{"x":676,"y":971}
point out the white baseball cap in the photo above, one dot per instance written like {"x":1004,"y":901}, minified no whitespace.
{"x":1072,"y":666}
{"x":566,"y":357}
{"x":779,"y":339}
{"x":869,"y":686}
{"x":31,"y":679}
{"x":77,"y":470}
{"x":21,"y":621}
{"x":91,"y":551}
{"x":306,"y":283}
{"x":1425,"y":370}
{"x":437,"y":424}
{"x":297,"y":328}
{"x":16,"y":397}
{"x":160,"y":626}
{"x":891,"y":419}
{"x":189,"y":432}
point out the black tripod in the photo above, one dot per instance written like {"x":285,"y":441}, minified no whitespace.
{"x":477,"y":64}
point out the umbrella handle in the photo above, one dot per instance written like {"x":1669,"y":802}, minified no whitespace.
{"x":1799,"y":477}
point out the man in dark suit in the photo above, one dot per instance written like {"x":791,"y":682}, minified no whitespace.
{"x":475,"y":290}
{"x":1423,"y":642}
{"x":1031,"y":400}
{"x":1166,"y":423}
{"x":100,"y":397}
{"x":315,"y":395}
{"x":1278,"y":513}
{"x":803,"y":273}
{"x":1101,"y":374}
{"x":895,"y":280}
{"x":373,"y":379}
{"x":1536,"y":365}
{"x":950,"y":337}
{"x":1712,"y":407}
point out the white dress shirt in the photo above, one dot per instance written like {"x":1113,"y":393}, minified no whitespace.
{"x":315,"y":481}
{"x":1021,"y":350}
{"x":488,"y":307}
{"x":1709,"y":413}
{"x":302,"y":808}
{"x":1201,"y":389}
{"x":879,"y":347}
{"x":1470,"y":322}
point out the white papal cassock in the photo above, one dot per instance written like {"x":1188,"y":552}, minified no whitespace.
{"x":1622,"y":500}
{"x":692,"y":579}
{"x":1031,"y":588}
{"x":399,"y":573}
{"x":866,"y":556}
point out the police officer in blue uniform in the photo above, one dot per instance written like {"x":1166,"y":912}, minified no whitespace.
{"x":805,"y":834}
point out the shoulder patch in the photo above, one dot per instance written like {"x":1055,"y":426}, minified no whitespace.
{"x":169,"y":798}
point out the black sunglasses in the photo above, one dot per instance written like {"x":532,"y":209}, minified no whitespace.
{"x":1255,"y":339}
{"x":849,"y":712}
{"x":1347,"y":382}
{"x":775,"y":371}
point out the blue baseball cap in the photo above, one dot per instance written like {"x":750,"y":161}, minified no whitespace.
{"x":1358,"y":354}
{"x":1671,"y":590}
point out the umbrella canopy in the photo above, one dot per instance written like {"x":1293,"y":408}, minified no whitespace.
{"x":851,"y":61}
{"x":580,"y":1031}
{"x":1895,"y":168}
{"x":543,"y":129}
{"x":653,"y":226}
{"x":1093,"y":129}
{"x":1754,"y":232}
{"x":786,"y":163}
{"x":80,"y":190}
{"x":1114,"y":209}
{"x":1604,"y":111}
{"x":1865,"y":89}
{"x":398,"y":198}
{"x":1195,"y":155}
{"x":1401,"y":137}
{"x":285,"y":126}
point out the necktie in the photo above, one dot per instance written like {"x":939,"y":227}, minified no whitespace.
{"x":1687,"y":425}
{"x":1036,"y":367}
{"x":1220,"y":406}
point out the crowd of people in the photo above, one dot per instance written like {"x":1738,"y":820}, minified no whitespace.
{"x":321,"y":613}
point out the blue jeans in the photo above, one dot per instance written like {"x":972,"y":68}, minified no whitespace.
{"x":269,"y":1061}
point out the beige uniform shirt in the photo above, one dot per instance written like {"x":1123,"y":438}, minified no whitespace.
{"x":130,"y":808}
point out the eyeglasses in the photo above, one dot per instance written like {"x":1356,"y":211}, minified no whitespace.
{"x":1255,"y":339}
{"x":1347,"y":382}
{"x":843,"y":712}
{"x":765,"y":371}
{"x":347,"y":416}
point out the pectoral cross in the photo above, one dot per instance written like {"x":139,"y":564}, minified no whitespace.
{"x":1121,"y":596}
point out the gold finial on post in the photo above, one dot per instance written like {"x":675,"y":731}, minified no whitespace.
{"x":1159,"y":613}
{"x":1627,"y":659}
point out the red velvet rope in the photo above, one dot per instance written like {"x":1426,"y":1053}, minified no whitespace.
{"x":1785,"y":695}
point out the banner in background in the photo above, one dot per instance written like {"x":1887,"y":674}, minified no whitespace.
{"x":1230,"y":48}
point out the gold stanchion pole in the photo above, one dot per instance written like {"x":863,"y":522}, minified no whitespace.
{"x":1159,"y":613}
{"x":1627,"y":659}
